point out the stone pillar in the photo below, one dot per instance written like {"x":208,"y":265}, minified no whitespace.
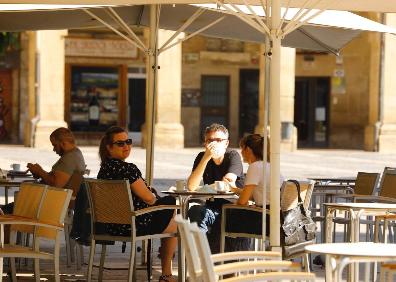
{"x":288,"y":74}
{"x":259,"y":129}
{"x":289,"y":133}
{"x":387,"y":132}
{"x":28,"y":87}
{"x":169,"y":132}
{"x":51,"y":84}
{"x":372,"y":127}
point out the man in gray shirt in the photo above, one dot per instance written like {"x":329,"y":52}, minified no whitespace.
{"x":69,"y":167}
{"x":67,"y":172}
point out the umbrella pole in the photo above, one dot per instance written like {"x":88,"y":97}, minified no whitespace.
{"x":267,"y":58}
{"x":275,"y":126}
{"x":152,"y":92}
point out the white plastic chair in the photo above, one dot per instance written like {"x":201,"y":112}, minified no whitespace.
{"x":201,"y":264}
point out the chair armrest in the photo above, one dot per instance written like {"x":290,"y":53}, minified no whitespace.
{"x":155,"y":208}
{"x":242,"y":207}
{"x":274,"y":276}
{"x":385,"y":217}
{"x":346,"y":188}
{"x":28,"y":221}
{"x":245,"y":255}
{"x":255,"y":265}
{"x":377,"y":199}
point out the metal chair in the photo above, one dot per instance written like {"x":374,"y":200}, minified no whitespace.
{"x":111,"y":202}
{"x":72,"y":247}
{"x":288,"y":201}
{"x":386,"y":194}
{"x":46,"y":223}
{"x":366,"y":185}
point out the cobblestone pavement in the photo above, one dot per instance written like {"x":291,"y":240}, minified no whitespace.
{"x":170,"y":165}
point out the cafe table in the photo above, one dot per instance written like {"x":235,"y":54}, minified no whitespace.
{"x":7,"y":185}
{"x":347,"y":180}
{"x":184,"y":197}
{"x":356,"y":211}
{"x":339,"y":255}
{"x":14,"y":182}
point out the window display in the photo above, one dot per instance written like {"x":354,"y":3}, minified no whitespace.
{"x":94,"y":98}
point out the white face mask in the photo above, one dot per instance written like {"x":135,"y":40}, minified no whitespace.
{"x":218,"y":151}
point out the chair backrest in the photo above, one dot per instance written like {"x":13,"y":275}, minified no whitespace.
{"x":289,"y":197}
{"x":209,"y":273}
{"x":75,"y":182}
{"x":53,"y":210}
{"x":190,"y":247}
{"x":110,"y":201}
{"x":204,"y":253}
{"x":388,"y":183}
{"x":366,"y":183}
{"x":27,"y":204}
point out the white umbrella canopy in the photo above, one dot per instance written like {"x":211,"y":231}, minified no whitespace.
{"x":321,"y":33}
{"x":385,"y":6}
{"x":329,"y":33}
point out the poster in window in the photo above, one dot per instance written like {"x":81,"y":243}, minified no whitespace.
{"x":94,"y":98}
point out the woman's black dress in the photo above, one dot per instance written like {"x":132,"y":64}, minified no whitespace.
{"x":146,"y":224}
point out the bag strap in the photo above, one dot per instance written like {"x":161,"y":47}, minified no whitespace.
{"x":300,"y":201}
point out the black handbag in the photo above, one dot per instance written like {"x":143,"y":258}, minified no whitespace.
{"x":297,"y":227}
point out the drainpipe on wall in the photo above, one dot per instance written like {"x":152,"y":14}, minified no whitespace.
{"x":378,"y":124}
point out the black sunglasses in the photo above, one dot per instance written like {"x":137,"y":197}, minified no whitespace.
{"x":122,"y":143}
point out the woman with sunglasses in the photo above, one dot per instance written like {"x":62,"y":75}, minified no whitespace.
{"x":114,"y":149}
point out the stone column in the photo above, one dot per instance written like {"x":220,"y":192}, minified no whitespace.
{"x":289,"y":133}
{"x":387,"y":132}
{"x":51,"y":84}
{"x":259,"y":129}
{"x":372,"y":127}
{"x":28,"y":86}
{"x":169,"y":132}
{"x":288,"y":74}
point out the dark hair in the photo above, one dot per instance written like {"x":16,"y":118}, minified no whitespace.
{"x":216,"y":127}
{"x":255,"y":142}
{"x":107,"y":139}
{"x":62,"y":134}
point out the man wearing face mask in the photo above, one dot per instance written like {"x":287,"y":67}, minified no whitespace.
{"x":216,"y":163}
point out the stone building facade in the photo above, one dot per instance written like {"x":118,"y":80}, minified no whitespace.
{"x":327,"y":101}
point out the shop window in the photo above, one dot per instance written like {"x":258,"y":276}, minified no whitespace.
{"x":94,"y":98}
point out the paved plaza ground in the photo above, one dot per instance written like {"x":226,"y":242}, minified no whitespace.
{"x":171,"y":165}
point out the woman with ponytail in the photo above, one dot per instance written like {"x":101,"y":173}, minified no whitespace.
{"x":252,"y":153}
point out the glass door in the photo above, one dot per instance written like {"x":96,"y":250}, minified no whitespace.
{"x":214,"y":100}
{"x":248,"y":101}
{"x":311,"y":111}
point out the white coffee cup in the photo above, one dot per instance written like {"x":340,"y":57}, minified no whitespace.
{"x":16,"y":167}
{"x":220,"y":186}
{"x":179,"y":185}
